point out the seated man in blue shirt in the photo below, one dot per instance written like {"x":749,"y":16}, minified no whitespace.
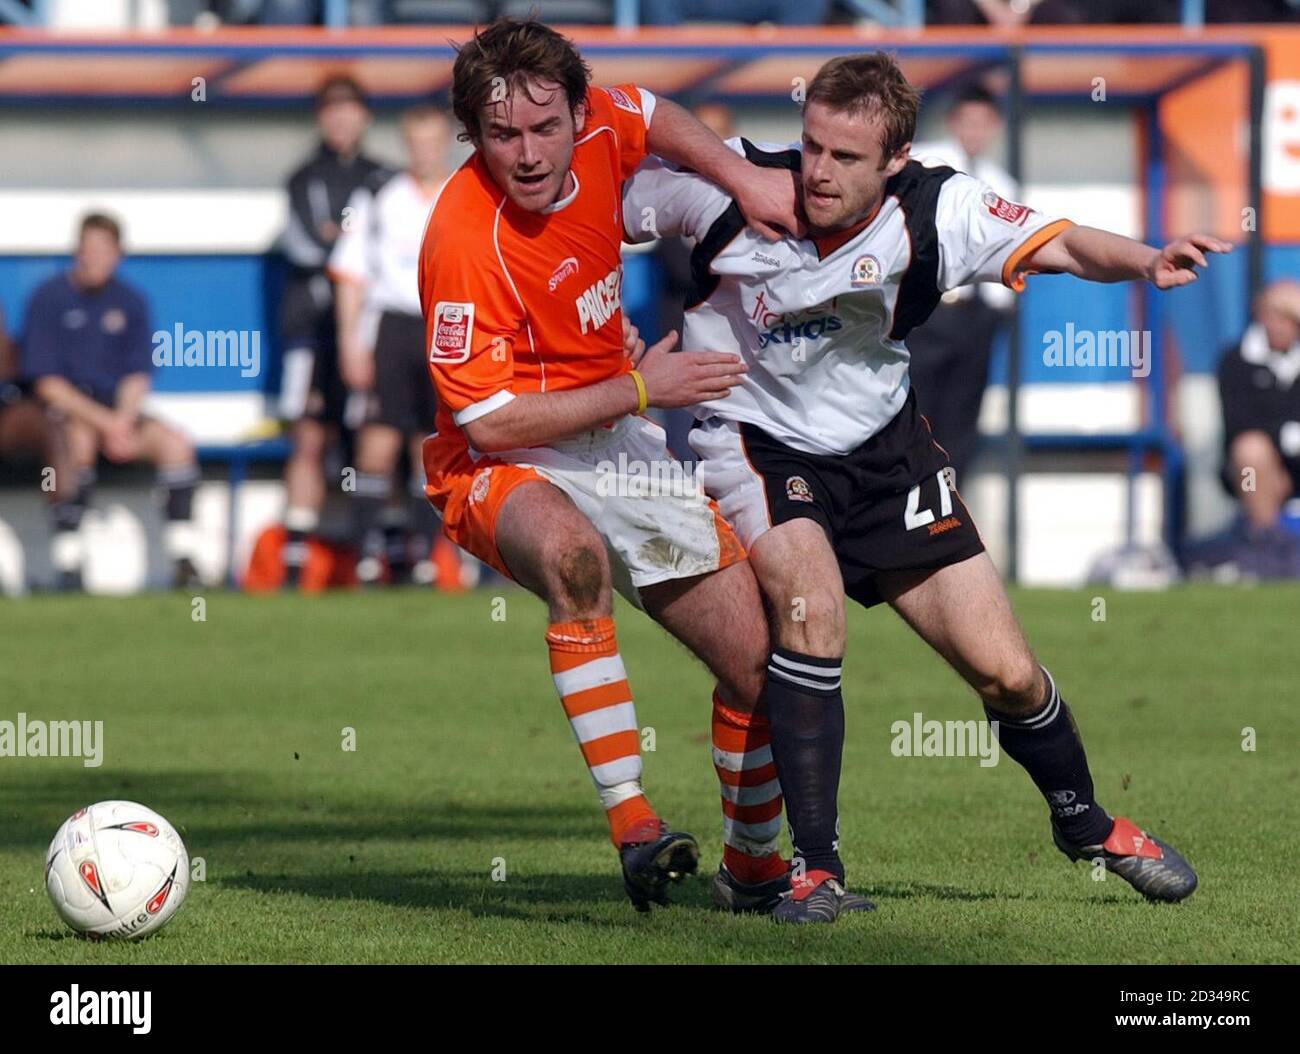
{"x":88,"y":353}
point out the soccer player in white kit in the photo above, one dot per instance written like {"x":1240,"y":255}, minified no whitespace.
{"x":374,"y":267}
{"x":829,"y":475}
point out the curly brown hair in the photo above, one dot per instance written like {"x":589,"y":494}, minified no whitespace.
{"x":506,"y":55}
{"x":870,"y":84}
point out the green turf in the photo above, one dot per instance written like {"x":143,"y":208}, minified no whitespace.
{"x":232,"y":728}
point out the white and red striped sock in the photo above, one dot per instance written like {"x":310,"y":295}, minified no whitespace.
{"x":592,"y":684}
{"x":751,"y":793}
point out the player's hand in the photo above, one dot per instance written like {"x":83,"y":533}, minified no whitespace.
{"x":633,"y":345}
{"x":1176,"y":263}
{"x":119,"y":439}
{"x":687,"y":377}
{"x":769,"y":200}
{"x":357,"y":366}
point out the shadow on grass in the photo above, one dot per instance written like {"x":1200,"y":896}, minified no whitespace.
{"x":1034,"y":891}
{"x":221,"y":810}
{"x":567,"y":898}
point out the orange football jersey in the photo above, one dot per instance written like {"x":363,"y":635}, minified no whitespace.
{"x":517,"y":301}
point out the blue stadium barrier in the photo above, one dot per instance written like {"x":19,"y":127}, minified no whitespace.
{"x":237,"y":458}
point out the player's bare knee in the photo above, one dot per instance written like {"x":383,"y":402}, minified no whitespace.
{"x":579,"y":582}
{"x":176,"y":449}
{"x":811,"y":622}
{"x":1018,"y":687}
{"x":742,"y":686}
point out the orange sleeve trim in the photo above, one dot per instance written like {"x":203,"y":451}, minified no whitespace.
{"x":1015,"y":279}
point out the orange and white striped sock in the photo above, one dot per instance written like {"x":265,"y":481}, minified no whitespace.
{"x":594,"y":692}
{"x":751,"y":793}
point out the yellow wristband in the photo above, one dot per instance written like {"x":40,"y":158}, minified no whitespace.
{"x":640,"y":391}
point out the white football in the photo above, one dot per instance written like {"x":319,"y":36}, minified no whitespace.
{"x":116,"y":869}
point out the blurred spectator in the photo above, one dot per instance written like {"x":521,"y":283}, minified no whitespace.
{"x":244,"y":12}
{"x":374,"y":266}
{"x":26,"y":431}
{"x":752,"y":12}
{"x":289,"y":12}
{"x":277,"y":12}
{"x":951,"y":350}
{"x":674,"y":257}
{"x":1261,"y":423}
{"x":1005,"y":13}
{"x":87,"y":351}
{"x":312,"y":393}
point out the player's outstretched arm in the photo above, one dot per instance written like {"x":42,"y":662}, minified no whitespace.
{"x":1100,"y":256}
{"x":534,"y":418}
{"x":767,"y":197}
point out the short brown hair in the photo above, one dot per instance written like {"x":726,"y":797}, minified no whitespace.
{"x":100,"y":221}
{"x":509,"y":53}
{"x":339,"y":87}
{"x":870,"y":84}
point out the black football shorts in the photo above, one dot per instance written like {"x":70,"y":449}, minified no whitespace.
{"x":886,"y":506}
{"x":403,"y":396}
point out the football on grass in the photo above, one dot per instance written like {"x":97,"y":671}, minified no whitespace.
{"x":116,"y":869}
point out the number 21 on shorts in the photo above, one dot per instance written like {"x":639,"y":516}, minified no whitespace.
{"x":914,"y":517}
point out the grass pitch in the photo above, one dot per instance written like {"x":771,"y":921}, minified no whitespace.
{"x":465,"y":772}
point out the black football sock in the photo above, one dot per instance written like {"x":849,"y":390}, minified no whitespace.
{"x":396,"y":549}
{"x":66,"y":548}
{"x":84,"y":494}
{"x":422,"y":520}
{"x":66,"y":515}
{"x":368,"y":504}
{"x":806,"y":713}
{"x":1047,"y":745}
{"x":178,"y":483}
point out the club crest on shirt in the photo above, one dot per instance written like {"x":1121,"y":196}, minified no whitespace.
{"x":797,"y":489}
{"x":866,"y":271}
{"x":1007,"y":211}
{"x":622,"y":100}
{"x":113,"y":321}
{"x":453,"y":331}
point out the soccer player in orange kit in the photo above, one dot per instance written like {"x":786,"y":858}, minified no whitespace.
{"x":541,"y":455}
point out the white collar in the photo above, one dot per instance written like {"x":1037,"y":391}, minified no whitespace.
{"x":567,"y":199}
{"x":1285,"y":365}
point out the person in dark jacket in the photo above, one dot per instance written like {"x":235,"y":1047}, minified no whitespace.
{"x":1261,"y":409}
{"x":313,"y":395}
{"x":88,"y":353}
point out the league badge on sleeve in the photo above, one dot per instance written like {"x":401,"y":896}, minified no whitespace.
{"x":453,"y":331}
{"x":1007,"y":211}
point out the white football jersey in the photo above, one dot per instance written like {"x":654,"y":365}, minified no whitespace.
{"x":380,"y":245}
{"x":821,"y":323}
